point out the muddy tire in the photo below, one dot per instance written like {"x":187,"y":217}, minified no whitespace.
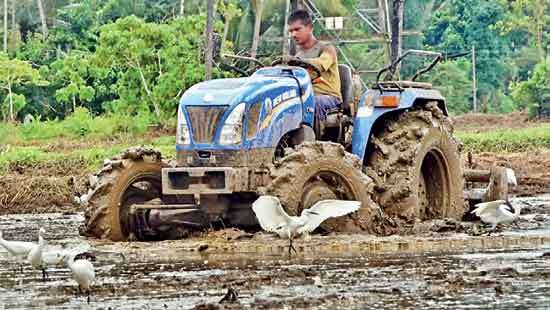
{"x":416,"y":165}
{"x":323,"y":170}
{"x":132,"y":177}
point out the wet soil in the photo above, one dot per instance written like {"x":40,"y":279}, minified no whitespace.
{"x":532,"y":169}
{"x":454,"y":268}
{"x":478,"y":122}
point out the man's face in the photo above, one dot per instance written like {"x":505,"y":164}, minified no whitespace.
{"x":299,"y":32}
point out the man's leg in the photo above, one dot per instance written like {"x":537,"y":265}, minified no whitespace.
{"x":323,"y":105}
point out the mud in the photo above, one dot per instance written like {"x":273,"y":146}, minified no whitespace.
{"x":452,"y":268}
{"x":532,"y":169}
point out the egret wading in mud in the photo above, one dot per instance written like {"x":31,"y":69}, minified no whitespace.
{"x":273,"y":218}
{"x":34,"y":257}
{"x":496,"y":212}
{"x":82,"y":271}
{"x":19,"y":250}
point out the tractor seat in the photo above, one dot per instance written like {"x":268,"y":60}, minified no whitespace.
{"x":334,"y":115}
{"x":346,"y":88}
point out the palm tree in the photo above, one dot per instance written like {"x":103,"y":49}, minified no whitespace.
{"x":258,"y":6}
{"x":5,"y":26}
{"x":42,"y":18}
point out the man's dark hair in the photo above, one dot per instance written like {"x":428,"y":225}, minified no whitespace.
{"x":301,"y":16}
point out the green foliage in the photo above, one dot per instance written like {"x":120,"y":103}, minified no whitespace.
{"x":452,"y":78}
{"x":530,"y":94}
{"x":82,"y":124}
{"x":72,"y":73}
{"x":506,"y":140}
{"x":154,"y":62}
{"x":15,"y":73}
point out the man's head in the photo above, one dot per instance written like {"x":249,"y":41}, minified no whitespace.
{"x":300,"y":27}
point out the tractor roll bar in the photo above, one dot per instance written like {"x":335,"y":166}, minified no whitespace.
{"x":438,"y":57}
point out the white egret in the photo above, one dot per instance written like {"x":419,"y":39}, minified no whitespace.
{"x":19,"y":250}
{"x":496,"y":212}
{"x":511,"y":177}
{"x":273,"y":218}
{"x":82,"y":271}
{"x":35,"y":255}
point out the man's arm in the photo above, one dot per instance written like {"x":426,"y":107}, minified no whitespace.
{"x":328,"y":58}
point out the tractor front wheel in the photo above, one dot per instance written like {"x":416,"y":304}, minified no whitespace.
{"x":131,"y":178}
{"x":324,"y":170}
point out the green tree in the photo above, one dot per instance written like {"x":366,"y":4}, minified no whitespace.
{"x":153,"y":63}
{"x":529,"y":94}
{"x":14,"y":73}
{"x":72,"y":72}
{"x":462,"y":24}
{"x":532,"y":17}
{"x":452,"y":78}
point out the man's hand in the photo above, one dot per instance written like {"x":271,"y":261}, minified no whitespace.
{"x":289,"y":58}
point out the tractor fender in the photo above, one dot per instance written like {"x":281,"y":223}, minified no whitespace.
{"x":369,"y":116}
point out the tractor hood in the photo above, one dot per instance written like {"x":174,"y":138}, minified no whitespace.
{"x":229,"y":112}
{"x":236,"y":90}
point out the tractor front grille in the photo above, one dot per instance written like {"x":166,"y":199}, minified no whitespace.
{"x":204,"y":121}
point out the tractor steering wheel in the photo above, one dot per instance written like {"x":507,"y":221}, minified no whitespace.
{"x":300,"y":63}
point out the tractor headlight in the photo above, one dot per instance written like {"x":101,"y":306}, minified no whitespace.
{"x":232,"y":130}
{"x":182,"y":131}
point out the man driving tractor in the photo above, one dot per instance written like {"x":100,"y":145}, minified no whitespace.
{"x":324,"y":57}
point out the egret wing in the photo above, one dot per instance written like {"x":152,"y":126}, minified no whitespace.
{"x":325,"y":209}
{"x":269,"y":212}
{"x":18,"y":248}
{"x":485,"y":207}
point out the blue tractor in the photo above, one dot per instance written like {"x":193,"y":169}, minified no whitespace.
{"x":238,"y":138}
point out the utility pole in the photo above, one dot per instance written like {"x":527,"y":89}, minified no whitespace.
{"x":209,"y":40}
{"x":182,"y":8}
{"x":396,"y":32}
{"x":474,"y":86}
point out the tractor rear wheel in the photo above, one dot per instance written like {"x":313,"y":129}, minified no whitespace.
{"x":131,"y":178}
{"x":416,"y":165}
{"x":323,"y":170}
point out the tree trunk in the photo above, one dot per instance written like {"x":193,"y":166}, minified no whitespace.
{"x":182,"y":7}
{"x":42,"y":18}
{"x":10,"y":96}
{"x":225,"y":31}
{"x":396,"y":33}
{"x":74,"y":103}
{"x":5,"y":26}
{"x":209,"y":40}
{"x":256,"y":33}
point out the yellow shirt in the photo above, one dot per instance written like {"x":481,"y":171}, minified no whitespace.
{"x":329,"y":83}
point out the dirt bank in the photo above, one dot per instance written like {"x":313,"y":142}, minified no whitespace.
{"x":482,"y":122}
{"x":532,"y":169}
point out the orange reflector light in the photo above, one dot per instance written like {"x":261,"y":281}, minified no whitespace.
{"x":388,"y":101}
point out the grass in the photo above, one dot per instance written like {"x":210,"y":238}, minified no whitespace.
{"x":83,"y":139}
{"x":507,"y":140}
{"x":80,"y":137}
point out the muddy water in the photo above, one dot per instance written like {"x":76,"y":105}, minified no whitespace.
{"x":453,"y":269}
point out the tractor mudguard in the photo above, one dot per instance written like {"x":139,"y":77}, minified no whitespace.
{"x":371,"y":111}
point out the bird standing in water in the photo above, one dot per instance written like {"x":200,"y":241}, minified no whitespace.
{"x":35,"y":255}
{"x":19,"y":250}
{"x":82,"y":271}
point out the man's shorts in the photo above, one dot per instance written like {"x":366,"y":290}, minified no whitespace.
{"x":323,"y":105}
